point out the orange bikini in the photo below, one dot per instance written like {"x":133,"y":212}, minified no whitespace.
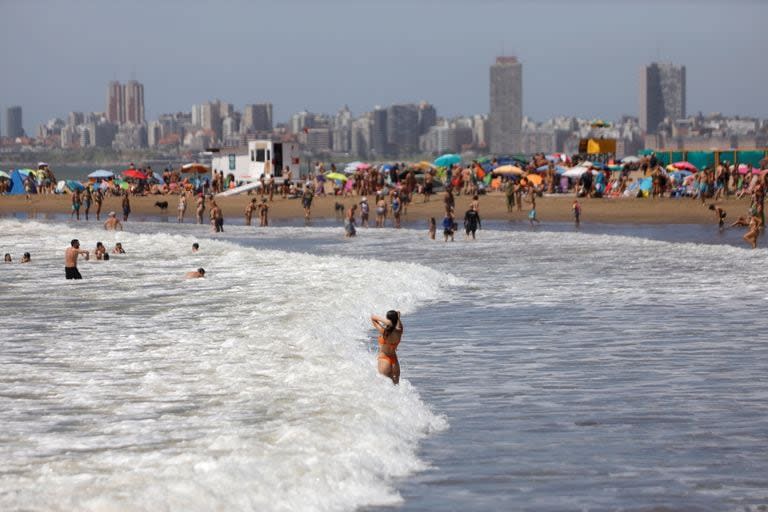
{"x":382,"y":356}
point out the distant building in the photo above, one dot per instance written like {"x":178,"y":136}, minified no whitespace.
{"x":378,"y":147}
{"x":403,"y":128}
{"x":427,"y":117}
{"x":662,"y":95}
{"x":318,"y":140}
{"x":506,"y":113}
{"x":134,"y":102}
{"x":125,"y":103}
{"x":257,"y":118}
{"x":115,"y":104}
{"x":13,"y":122}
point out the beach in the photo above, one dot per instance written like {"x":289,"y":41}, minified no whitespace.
{"x":554,"y":208}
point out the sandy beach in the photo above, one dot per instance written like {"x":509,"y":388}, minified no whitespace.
{"x":492,"y":207}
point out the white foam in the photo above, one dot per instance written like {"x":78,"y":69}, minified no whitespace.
{"x":252,"y":389}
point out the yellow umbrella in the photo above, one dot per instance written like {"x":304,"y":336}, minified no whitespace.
{"x":508,"y":170}
{"x":423,"y":165}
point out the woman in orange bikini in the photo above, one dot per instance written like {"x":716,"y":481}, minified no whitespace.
{"x":390,"y":332}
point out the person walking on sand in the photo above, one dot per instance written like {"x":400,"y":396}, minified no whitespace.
{"x":112,"y":224}
{"x":200,"y":208}
{"x":70,"y":259}
{"x":76,"y":202}
{"x":390,"y":334}
{"x":87,"y":198}
{"x":98,"y":198}
{"x":126,"y":206}
{"x":576,"y":209}
{"x":182,"y":207}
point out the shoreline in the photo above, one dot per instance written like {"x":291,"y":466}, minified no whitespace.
{"x":492,"y":207}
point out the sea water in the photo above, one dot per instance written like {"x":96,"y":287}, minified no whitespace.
{"x":542,"y":370}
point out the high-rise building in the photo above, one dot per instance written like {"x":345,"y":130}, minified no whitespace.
{"x":662,"y":95}
{"x":257,"y":118}
{"x":427,"y":117}
{"x":115,"y":103}
{"x":506,"y":114}
{"x":134,"y":102}
{"x":403,"y":128}
{"x":125,"y":103}
{"x":13,"y":122}
{"x":378,"y":146}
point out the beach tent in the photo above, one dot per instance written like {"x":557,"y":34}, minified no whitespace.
{"x":17,"y":183}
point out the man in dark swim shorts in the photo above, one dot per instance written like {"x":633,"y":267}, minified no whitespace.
{"x":70,"y":259}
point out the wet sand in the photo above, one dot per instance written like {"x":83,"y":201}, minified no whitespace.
{"x":492,"y":207}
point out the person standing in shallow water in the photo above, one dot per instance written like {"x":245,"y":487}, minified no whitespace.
{"x":70,"y":259}
{"x":390,"y":334}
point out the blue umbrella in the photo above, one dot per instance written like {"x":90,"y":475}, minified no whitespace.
{"x":74,"y":185}
{"x":447,"y":160}
{"x":101,"y":173}
{"x":601,"y":166}
{"x":157,"y":176}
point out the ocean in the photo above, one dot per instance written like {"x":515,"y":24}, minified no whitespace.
{"x":612,"y":368}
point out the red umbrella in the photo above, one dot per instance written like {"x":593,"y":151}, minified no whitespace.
{"x":133,"y":173}
{"x":686,"y":166}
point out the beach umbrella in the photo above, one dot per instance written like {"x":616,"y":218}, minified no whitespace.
{"x":447,"y":160}
{"x":101,"y":173}
{"x":508,"y":170}
{"x":575,"y":172}
{"x":616,"y":167}
{"x":157,"y":176}
{"x":686,"y":166}
{"x":195,"y":168}
{"x":133,"y":173}
{"x":424,"y":165}
{"x":26,"y":172}
{"x":533,"y":178}
{"x":385,"y":167}
{"x":336,"y":176}
{"x":3,"y":174}
{"x":74,"y":185}
{"x":630,"y":160}
{"x":363,"y":166}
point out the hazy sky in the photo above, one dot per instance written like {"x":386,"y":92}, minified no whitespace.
{"x":579,"y":57}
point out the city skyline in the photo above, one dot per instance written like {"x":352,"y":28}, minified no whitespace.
{"x":579,"y":60}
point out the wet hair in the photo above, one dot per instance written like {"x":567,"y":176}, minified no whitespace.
{"x":195,"y":245}
{"x":27,"y":255}
{"x":74,"y":242}
{"x":394,"y":318}
{"x":201,"y":271}
{"x":7,"y":256}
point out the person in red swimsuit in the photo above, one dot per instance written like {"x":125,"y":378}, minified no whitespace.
{"x":390,"y":333}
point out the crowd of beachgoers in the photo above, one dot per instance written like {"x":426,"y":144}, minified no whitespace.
{"x":393,"y":186}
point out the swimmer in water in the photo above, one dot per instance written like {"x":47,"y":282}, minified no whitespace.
{"x":390,"y":333}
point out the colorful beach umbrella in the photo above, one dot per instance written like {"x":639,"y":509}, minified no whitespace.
{"x":508,"y":170}
{"x":534,"y":178}
{"x":336,"y":176}
{"x":3,"y":174}
{"x":195,"y":168}
{"x":447,"y":160}
{"x":75,"y":185}
{"x":630,"y":160}
{"x":101,"y":173}
{"x":133,"y":173}
{"x":685,"y":166}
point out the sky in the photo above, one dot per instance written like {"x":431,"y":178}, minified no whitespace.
{"x":579,"y":58}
